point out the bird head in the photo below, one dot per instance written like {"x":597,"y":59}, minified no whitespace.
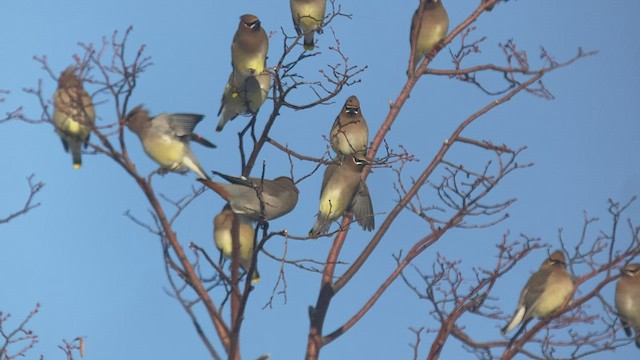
{"x":555,"y":259}
{"x":631,"y":270}
{"x":137,"y":119}
{"x":352,"y":105}
{"x":68,"y":79}
{"x":250,"y":22}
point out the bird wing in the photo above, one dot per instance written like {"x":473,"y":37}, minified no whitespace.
{"x":202,"y":141}
{"x":362,"y":208}
{"x":239,"y":180}
{"x":530,"y":296}
{"x":182,"y":125}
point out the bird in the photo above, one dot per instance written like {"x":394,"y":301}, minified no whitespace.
{"x":343,"y":190}
{"x":544,"y":293}
{"x":278,"y":197}
{"x":248,"y":49}
{"x":628,"y":300}
{"x":223,"y":233}
{"x":307,"y":18}
{"x":245,"y":100}
{"x":73,"y":114}
{"x":433,"y":28}
{"x":349,"y":133}
{"x":166,"y":139}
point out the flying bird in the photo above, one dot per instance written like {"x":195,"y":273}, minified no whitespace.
{"x":166,"y":139}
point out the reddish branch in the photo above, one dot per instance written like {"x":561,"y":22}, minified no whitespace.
{"x":451,"y":302}
{"x":328,"y":288}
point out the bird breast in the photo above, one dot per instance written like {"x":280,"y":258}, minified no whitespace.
{"x":555,"y":294}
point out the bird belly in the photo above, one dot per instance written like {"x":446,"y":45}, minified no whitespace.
{"x":310,"y":16}
{"x":626,"y":306}
{"x":165,"y":151}
{"x":330,"y":205}
{"x":223,"y":242}
{"x":552,"y":298}
{"x":429,"y":37}
{"x":70,"y":127}
{"x":350,"y":144}
{"x":253,"y":66}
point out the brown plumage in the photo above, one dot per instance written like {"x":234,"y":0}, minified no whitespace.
{"x":344,"y":191}
{"x":249,"y":49}
{"x":546,"y":290}
{"x":277,"y":197}
{"x":628,"y":300}
{"x":308,"y":16}
{"x":349,"y":133}
{"x":433,"y":28}
{"x":73,"y":114}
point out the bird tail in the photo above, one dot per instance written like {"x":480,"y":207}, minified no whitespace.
{"x":515,"y":321}
{"x":76,"y":153}
{"x":309,"y":44}
{"x":190,"y":162}
{"x":217,"y":188}
{"x":256,"y":276}
{"x":223,"y":121}
{"x":626,"y":327}
{"x":245,"y":264}
{"x":321,"y":226}
{"x":202,"y":141}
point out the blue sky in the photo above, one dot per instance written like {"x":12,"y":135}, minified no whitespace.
{"x":99,"y":275}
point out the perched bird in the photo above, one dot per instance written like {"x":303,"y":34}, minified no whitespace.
{"x":249,"y":49}
{"x":73,"y":114}
{"x":628,"y":300}
{"x":245,"y":100}
{"x":277,"y":197}
{"x":546,"y":290}
{"x":433,"y":28}
{"x":307,"y":18}
{"x":223,"y":233}
{"x":349,"y":133}
{"x":166,"y":139}
{"x":343,"y":190}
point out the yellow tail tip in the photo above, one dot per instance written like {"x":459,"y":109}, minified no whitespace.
{"x":77,"y":166}
{"x":309,"y":47}
{"x":256,"y":280}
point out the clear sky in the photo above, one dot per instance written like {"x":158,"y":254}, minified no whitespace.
{"x":99,"y":275}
